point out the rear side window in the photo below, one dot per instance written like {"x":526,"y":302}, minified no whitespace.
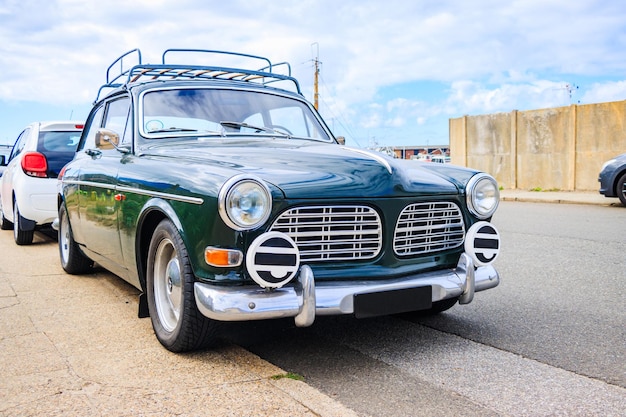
{"x":19,"y":143}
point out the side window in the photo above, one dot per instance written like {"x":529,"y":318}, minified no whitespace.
{"x":19,"y":144}
{"x":93,"y":124}
{"x":117,"y":118}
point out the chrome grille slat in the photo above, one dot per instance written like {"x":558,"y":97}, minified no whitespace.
{"x":428,"y":227}
{"x":347,"y":233}
{"x":337,"y":233}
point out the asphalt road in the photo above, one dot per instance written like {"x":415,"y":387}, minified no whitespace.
{"x":550,"y":340}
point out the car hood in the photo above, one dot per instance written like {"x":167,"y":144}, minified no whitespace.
{"x":305,"y":169}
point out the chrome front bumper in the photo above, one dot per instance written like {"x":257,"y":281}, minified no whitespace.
{"x":305,"y":298}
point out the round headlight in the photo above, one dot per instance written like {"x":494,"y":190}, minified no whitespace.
{"x":245,"y":203}
{"x":483,"y":195}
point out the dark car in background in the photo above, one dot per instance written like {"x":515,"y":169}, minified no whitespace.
{"x":612,"y":178}
{"x":221,"y":194}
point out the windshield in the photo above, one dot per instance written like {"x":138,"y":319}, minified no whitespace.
{"x":222,"y":113}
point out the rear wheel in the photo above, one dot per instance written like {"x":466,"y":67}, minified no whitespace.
{"x":177,"y":323}
{"x":73,"y":260}
{"x":621,"y":189}
{"x":4,"y":223}
{"x":22,"y":237}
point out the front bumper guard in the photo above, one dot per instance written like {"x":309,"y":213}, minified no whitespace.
{"x":305,"y":298}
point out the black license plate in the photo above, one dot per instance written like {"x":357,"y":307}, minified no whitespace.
{"x":392,"y":302}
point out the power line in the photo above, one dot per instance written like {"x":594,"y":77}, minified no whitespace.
{"x":340,"y":119}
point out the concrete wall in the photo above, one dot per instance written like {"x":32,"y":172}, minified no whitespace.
{"x":552,"y":149}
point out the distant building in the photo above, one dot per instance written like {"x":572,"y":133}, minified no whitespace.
{"x":412,"y":152}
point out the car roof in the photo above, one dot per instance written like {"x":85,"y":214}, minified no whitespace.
{"x":60,"y":125}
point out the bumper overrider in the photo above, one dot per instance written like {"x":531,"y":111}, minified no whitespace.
{"x":287,"y":289}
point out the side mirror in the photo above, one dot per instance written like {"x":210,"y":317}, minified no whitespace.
{"x":107,"y":139}
{"x":3,"y":160}
{"x":341,"y":140}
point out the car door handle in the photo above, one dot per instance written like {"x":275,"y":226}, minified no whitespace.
{"x":94,"y":153}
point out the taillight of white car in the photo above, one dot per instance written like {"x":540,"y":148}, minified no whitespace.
{"x":35,"y":164}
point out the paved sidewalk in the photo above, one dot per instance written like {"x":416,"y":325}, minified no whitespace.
{"x":73,"y":346}
{"x":574,"y":197}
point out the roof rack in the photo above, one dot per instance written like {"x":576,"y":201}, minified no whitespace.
{"x":150,"y":72}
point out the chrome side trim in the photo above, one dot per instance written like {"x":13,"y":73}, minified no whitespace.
{"x":166,"y":196}
{"x":90,"y":184}
{"x":333,"y":298}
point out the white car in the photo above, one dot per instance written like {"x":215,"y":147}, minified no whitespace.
{"x":29,"y":182}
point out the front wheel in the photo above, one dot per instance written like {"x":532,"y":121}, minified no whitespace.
{"x":73,"y":260}
{"x":22,"y":237}
{"x":176,"y":321}
{"x":621,"y":189}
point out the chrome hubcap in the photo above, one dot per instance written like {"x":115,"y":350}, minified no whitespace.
{"x":167,"y":285}
{"x":64,"y":236}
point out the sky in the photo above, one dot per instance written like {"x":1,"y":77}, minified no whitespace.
{"x":391,"y":73}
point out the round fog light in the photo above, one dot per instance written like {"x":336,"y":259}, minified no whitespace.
{"x":482,"y":243}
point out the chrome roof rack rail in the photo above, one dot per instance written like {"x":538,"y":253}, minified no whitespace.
{"x":150,"y":72}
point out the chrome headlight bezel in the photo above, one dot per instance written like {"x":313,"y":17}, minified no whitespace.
{"x":257,"y":199}
{"x":483,"y":195}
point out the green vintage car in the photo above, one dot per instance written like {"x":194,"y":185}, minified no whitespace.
{"x":221,"y":194}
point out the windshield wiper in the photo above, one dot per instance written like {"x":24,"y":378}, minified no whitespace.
{"x":256,"y":128}
{"x":173,"y":129}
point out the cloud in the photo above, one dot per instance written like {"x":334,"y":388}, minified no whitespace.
{"x":468,"y":97}
{"x":611,"y":91}
{"x":484,"y":56}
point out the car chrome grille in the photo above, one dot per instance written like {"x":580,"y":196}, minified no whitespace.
{"x":333,"y":233}
{"x":428,"y":227}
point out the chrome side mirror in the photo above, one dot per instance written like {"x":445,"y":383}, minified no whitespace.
{"x":107,"y":139}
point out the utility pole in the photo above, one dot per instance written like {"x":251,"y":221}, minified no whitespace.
{"x":316,"y":93}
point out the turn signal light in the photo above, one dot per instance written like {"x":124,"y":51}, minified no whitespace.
{"x":223,"y":257}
